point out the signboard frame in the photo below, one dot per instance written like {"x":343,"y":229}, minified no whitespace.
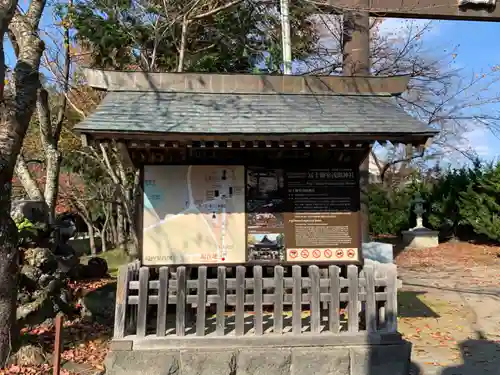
{"x":305,"y":157}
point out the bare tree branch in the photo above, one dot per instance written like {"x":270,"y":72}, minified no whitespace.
{"x":28,"y":182}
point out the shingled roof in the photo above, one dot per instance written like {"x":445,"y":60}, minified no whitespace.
{"x":248,"y":105}
{"x":164,"y":112}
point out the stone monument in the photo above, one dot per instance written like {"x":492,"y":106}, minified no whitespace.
{"x":420,"y":237}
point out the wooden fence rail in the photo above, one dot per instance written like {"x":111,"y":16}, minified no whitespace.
{"x":175,"y":305}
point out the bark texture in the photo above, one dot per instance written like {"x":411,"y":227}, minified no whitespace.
{"x":50,"y":133}
{"x":17,"y":104}
{"x":8,"y":275}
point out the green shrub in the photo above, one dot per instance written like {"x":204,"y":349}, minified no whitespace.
{"x":389,"y":211}
{"x":25,"y":225}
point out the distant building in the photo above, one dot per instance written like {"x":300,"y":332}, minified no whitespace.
{"x":373,"y":170}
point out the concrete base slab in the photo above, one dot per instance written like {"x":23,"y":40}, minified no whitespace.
{"x":208,"y":362}
{"x":420,"y":238}
{"x":321,"y":361}
{"x":264,"y":362}
{"x":382,"y":361}
{"x":144,"y":363}
{"x":318,"y":360}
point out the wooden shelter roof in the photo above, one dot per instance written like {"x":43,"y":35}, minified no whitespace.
{"x":215,"y":105}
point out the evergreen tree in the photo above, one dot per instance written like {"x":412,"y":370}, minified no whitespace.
{"x":444,"y":212}
{"x":199,"y":36}
{"x":480,"y":203}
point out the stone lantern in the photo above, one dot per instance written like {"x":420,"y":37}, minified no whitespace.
{"x":419,"y":210}
{"x":420,"y":237}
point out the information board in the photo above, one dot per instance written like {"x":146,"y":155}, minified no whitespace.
{"x":203,"y":214}
{"x":303,"y":214}
{"x":323,"y":221}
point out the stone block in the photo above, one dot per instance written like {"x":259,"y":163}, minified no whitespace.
{"x":118,"y":345}
{"x":195,"y":362}
{"x":306,"y":361}
{"x":377,"y":252}
{"x":264,"y":362}
{"x":381,"y":359}
{"x":143,"y":362}
{"x":375,"y":359}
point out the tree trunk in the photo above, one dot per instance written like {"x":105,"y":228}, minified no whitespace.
{"x":120,"y":227}
{"x":136,"y":205}
{"x":125,"y":200}
{"x":15,"y":116}
{"x":113,"y":234}
{"x":104,"y":246}
{"x":52,"y":182}
{"x":52,"y":189}
{"x":131,"y":228}
{"x":105,"y":226}
{"x":50,"y":133}
{"x":28,"y":182}
{"x":125,"y":205}
{"x":90,"y":228}
{"x":52,"y":154}
{"x":8,"y":275}
{"x":133,"y":240}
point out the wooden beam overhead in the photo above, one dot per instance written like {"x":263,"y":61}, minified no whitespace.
{"x":158,"y":145}
{"x":245,"y":83}
{"x":420,"y":9}
{"x":177,"y":141}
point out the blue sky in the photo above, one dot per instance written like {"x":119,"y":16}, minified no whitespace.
{"x":46,"y":25}
{"x":475,"y":54}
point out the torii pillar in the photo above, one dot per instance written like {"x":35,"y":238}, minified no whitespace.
{"x":356,"y":62}
{"x":356,"y":41}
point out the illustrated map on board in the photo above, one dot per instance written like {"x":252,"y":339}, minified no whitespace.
{"x":205,"y":221}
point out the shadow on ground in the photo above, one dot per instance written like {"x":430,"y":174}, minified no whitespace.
{"x":410,"y":306}
{"x":479,"y":357}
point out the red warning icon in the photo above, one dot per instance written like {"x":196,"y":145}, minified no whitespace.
{"x":328,"y":253}
{"x":316,"y":253}
{"x":351,"y":253}
{"x":293,"y":254}
{"x":339,"y":253}
{"x":304,"y":254}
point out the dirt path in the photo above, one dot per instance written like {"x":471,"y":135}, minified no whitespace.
{"x":450,"y":311}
